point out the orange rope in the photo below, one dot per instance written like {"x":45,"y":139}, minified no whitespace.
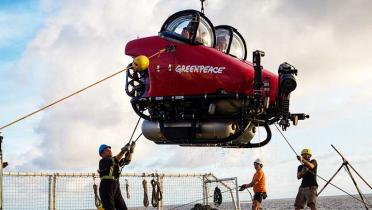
{"x":72,"y":94}
{"x":158,"y":53}
{"x":62,"y":99}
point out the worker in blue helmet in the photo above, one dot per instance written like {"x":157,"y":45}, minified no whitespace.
{"x":109,"y":172}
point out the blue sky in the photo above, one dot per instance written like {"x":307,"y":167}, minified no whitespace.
{"x":48,"y":50}
{"x":20,"y":22}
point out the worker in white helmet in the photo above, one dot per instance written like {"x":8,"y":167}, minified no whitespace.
{"x":258,"y":184}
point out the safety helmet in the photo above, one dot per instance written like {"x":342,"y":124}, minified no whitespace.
{"x":102,"y":148}
{"x":140,"y":63}
{"x":258,"y":161}
{"x":306,"y":151}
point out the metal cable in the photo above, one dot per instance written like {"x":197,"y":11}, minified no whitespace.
{"x":135,"y":128}
{"x":122,"y":161}
{"x":286,"y":139}
{"x":137,"y":138}
{"x":250,"y":194}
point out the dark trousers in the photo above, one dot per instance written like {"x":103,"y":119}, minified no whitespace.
{"x":258,"y":196}
{"x":109,"y":191}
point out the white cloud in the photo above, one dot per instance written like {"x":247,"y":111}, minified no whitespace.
{"x":84,"y":42}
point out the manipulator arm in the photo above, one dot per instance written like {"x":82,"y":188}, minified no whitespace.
{"x":287,"y":84}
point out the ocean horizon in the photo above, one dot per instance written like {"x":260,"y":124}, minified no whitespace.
{"x":337,"y":202}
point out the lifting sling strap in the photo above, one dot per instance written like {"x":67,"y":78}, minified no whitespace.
{"x":145,"y":194}
{"x":157,"y":194}
{"x":127,"y":188}
{"x":97,"y":199}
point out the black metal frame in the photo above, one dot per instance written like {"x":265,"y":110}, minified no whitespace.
{"x":135,"y":76}
{"x":345,"y":164}
{"x":140,"y":104}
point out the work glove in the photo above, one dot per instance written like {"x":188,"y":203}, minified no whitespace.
{"x":243,"y":187}
{"x":299,"y":158}
{"x":125,"y":148}
{"x":132,"y":146}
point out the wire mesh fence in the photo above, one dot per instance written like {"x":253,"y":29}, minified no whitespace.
{"x":26,"y":192}
{"x":179,"y":191}
{"x":228,"y":187}
{"x":74,"y":191}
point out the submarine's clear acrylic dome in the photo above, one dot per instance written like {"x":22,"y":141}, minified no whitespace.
{"x":230,"y":41}
{"x":189,"y":26}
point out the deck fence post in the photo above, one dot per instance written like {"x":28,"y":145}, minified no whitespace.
{"x":1,"y":173}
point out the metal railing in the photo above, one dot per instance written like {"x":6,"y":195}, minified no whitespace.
{"x":58,"y":191}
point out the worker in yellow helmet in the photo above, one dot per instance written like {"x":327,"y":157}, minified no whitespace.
{"x":307,"y":193}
